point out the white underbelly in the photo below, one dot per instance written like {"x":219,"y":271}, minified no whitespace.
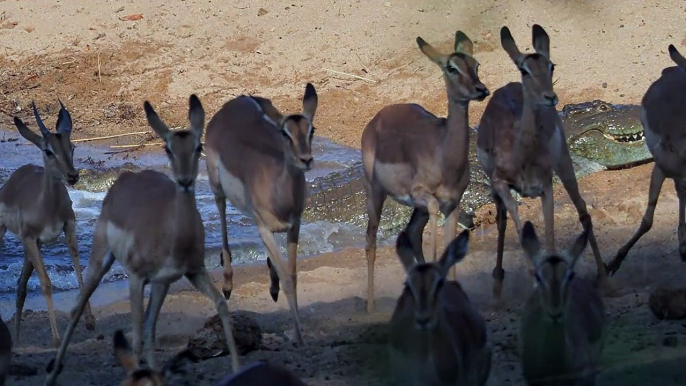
{"x":122,"y":246}
{"x":395,"y":179}
{"x":234,"y":190}
{"x":10,"y":219}
{"x":120,"y":243}
{"x":51,"y":232}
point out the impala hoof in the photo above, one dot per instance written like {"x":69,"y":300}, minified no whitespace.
{"x":611,"y":269}
{"x":498,"y":274}
{"x":682,"y":251}
{"x":90,"y":324}
{"x":274,"y":293}
{"x":51,"y":368}
{"x":227,"y":294}
{"x":370,"y":307}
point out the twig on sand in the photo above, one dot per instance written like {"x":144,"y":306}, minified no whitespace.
{"x":99,"y":78}
{"x":101,"y":138}
{"x":351,"y":75}
{"x":109,"y":136}
{"x":119,"y":151}
{"x":134,"y":145}
{"x":364,"y":66}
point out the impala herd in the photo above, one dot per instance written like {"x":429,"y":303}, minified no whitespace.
{"x":257,"y":158}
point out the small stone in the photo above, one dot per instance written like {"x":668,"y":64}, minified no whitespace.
{"x":670,"y":341}
{"x":604,"y":84}
{"x":210,"y":341}
{"x":668,"y":304}
{"x":262,"y":12}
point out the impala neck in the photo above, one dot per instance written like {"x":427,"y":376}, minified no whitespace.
{"x":535,"y":121}
{"x":51,"y":186}
{"x":456,"y":141}
{"x":186,"y":208}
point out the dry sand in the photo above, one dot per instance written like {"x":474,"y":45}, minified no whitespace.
{"x":104,"y":67}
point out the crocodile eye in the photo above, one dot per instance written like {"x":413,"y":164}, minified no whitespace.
{"x":604,"y":107}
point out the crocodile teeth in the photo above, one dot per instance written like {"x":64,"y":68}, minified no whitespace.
{"x":629,"y":137}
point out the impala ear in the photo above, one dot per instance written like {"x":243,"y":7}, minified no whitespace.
{"x":310,"y":102}
{"x":529,"y":242}
{"x":463,"y":43}
{"x":432,"y":53}
{"x":155,"y":122}
{"x":541,"y":40}
{"x":403,"y":248}
{"x":677,"y":57}
{"x":509,"y":45}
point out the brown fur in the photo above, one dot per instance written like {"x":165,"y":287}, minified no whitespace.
{"x":35,"y":206}
{"x":521,"y":144}
{"x":421,"y":160}
{"x":563,"y":322}
{"x":256,"y":158}
{"x":663,"y":115}
{"x":437,"y":337}
{"x":151,"y":225}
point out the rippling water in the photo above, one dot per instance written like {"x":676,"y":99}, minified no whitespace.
{"x":315,"y":237}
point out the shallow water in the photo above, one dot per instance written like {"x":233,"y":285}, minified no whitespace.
{"x":315,"y":237}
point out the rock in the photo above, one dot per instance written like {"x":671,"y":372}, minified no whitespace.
{"x":668,"y":303}
{"x":19,"y":369}
{"x":670,"y":341}
{"x":262,"y":12}
{"x":210,"y":342}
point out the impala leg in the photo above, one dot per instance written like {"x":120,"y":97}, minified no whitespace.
{"x":202,"y":282}
{"x":289,"y":287}
{"x":157,"y":294}
{"x":657,"y":178}
{"x":423,"y":198}
{"x":293,"y":236}
{"x":434,"y":209}
{"x":681,"y":194}
{"x":72,"y":245}
{"x":26,"y":271}
{"x":33,"y":255}
{"x":449,"y":229}
{"x":375,"y":200}
{"x":136,"y":285}
{"x":100,"y":262}
{"x":415,"y":229}
{"x":548,"y":206}
{"x":568,"y":178}
{"x":3,"y":230}
{"x":502,"y":192}
{"x":225,"y":256}
{"x":501,"y":222}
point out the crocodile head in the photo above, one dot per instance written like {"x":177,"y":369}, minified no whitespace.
{"x":611,"y":135}
{"x":101,"y":179}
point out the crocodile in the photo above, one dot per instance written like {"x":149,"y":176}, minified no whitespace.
{"x":600,"y":136}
